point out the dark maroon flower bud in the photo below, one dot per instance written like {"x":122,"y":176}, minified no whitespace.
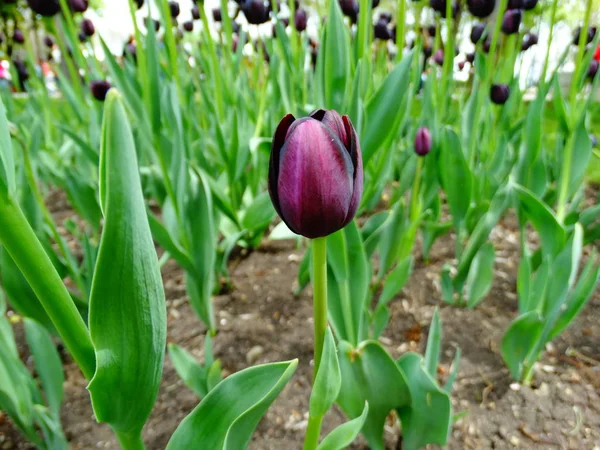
{"x":422,"y":141}
{"x":593,"y":69}
{"x":590,"y":35}
{"x":470,"y":57}
{"x":511,"y":21}
{"x":316,"y":173}
{"x":22,"y":72}
{"x":188,"y":26}
{"x":499,"y":93}
{"x":256,"y":11}
{"x":79,"y":6}
{"x":427,"y":51}
{"x":350,"y":9}
{"x":99,"y":89}
{"x":301,"y":19}
{"x":46,"y":8}
{"x":82,"y":37}
{"x":217,"y":14}
{"x":477,"y":33}
{"x":48,"y":42}
{"x":18,"y":37}
{"x":514,"y":4}
{"x":385,"y":16}
{"x":440,"y":6}
{"x":175,"y":10}
{"x":528,"y":5}
{"x":381,"y":31}
{"x":139,"y":3}
{"x":481,"y":8}
{"x":431,"y":30}
{"x":375,"y":3}
{"x":529,"y":40}
{"x":195,"y":13}
{"x":438,"y":58}
{"x":461,"y":65}
{"x":88,"y":28}
{"x":487,"y":43}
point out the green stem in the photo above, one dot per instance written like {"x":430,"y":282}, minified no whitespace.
{"x":563,"y":192}
{"x":401,"y":26}
{"x":319,"y":257}
{"x":311,"y":440}
{"x":20,"y":241}
{"x":414,"y":195}
{"x":550,"y":37}
{"x":364,"y":28}
{"x":130,"y":441}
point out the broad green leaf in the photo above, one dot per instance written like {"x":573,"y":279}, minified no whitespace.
{"x":383,"y":113}
{"x":396,"y":280}
{"x":259,"y":214}
{"x":520,"y":340}
{"x":336,"y":48}
{"x":328,"y":380}
{"x":429,"y":418}
{"x":7,"y":163}
{"x":344,"y":435}
{"x":434,"y":343}
{"x":127,"y":304}
{"x":228,"y":415}
{"x":481,"y":275}
{"x":47,"y":364}
{"x":365,"y":370}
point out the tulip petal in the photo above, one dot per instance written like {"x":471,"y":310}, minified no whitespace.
{"x":356,"y":157}
{"x":278,"y":142}
{"x":334,"y":121}
{"x":316,"y":180}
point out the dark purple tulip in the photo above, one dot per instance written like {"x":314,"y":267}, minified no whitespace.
{"x":217,"y":14}
{"x":22,"y":72}
{"x":438,"y":58}
{"x":487,"y":43}
{"x":48,"y":42}
{"x":139,"y":3}
{"x":385,"y":17}
{"x":195,"y":13}
{"x":431,"y":30}
{"x":175,"y":10}
{"x":529,"y":40}
{"x":422,"y":141}
{"x":88,"y":28}
{"x":79,"y":6}
{"x":381,"y":31}
{"x":593,"y":69}
{"x":440,"y":6}
{"x":470,"y":57}
{"x":316,"y":173}
{"x":188,"y":26}
{"x":45,"y":8}
{"x":461,"y":65}
{"x":514,"y":4}
{"x":256,"y":11}
{"x":18,"y":37}
{"x":82,"y":37}
{"x":477,"y":32}
{"x":481,"y":8}
{"x":99,"y":89}
{"x":528,"y":5}
{"x":499,"y":93}
{"x":427,"y":51}
{"x":375,"y":3}
{"x":349,"y":8}
{"x":511,"y":21}
{"x":590,"y":35}
{"x":301,"y":19}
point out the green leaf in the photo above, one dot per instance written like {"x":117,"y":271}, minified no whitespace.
{"x":365,"y":370}
{"x":259,"y":214}
{"x":344,"y":435}
{"x":383,"y":113}
{"x":47,"y":364}
{"x":582,"y":152}
{"x":328,"y":380}
{"x":520,"y":340}
{"x":429,"y":418}
{"x":193,"y":374}
{"x":166,"y":241}
{"x":453,"y":372}
{"x":396,"y":280}
{"x":7,"y":163}
{"x":434,"y":342}
{"x":228,"y":415}
{"x":455,"y":175}
{"x":481,"y":275}
{"x":127,"y":304}
{"x":336,"y":48}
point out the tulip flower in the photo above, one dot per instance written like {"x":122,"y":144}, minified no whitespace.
{"x":499,"y":93}
{"x":48,"y":42}
{"x":99,"y":89}
{"x":139,"y":3}
{"x":216,"y":13}
{"x":316,"y":173}
{"x":174,"y":9}
{"x":511,"y":21}
{"x":350,"y":8}
{"x":440,"y":6}
{"x":590,"y":35}
{"x":88,"y":28}
{"x":256,"y":11}
{"x":481,"y":8}
{"x":385,"y":17}
{"x":438,"y":58}
{"x":375,"y":3}
{"x":470,"y":57}
{"x":528,"y":5}
{"x":46,"y":8}
{"x":195,"y":13}
{"x":188,"y":26}
{"x":300,"y":19}
{"x":477,"y":32}
{"x":18,"y":37}
{"x":593,"y":69}
{"x":514,"y":4}
{"x":22,"y":72}
{"x":381,"y":31}
{"x":461,"y":65}
{"x":79,"y":6}
{"x":529,"y":40}
{"x":422,"y":141}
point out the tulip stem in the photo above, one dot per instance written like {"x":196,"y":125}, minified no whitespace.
{"x":414,"y":195}
{"x":319,"y":258}
{"x":130,"y":441}
{"x":313,"y":432}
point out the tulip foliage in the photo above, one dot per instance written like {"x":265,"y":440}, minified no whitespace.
{"x":192,"y":141}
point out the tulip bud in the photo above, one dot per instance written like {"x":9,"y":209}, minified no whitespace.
{"x":440,"y":6}
{"x":46,"y":8}
{"x":514,"y":4}
{"x":593,"y":69}
{"x":477,"y":32}
{"x":375,"y":3}
{"x":78,"y":6}
{"x":528,"y":5}
{"x":216,"y":12}
{"x":381,"y":31}
{"x":511,"y":21}
{"x":427,"y":51}
{"x":487,"y":43}
{"x":461,"y":65}
{"x":18,"y":37}
{"x":422,"y":141}
{"x":99,"y":89}
{"x":590,"y":35}
{"x":256,"y":11}
{"x":481,"y":8}
{"x":529,"y":40}
{"x":188,"y":26}
{"x":438,"y":58}
{"x":139,"y":3}
{"x":174,"y":9}
{"x":48,"y":42}
{"x":88,"y":28}
{"x":349,"y":8}
{"x":470,"y":57}
{"x":431,"y":30}
{"x":316,"y":173}
{"x":385,"y":17}
{"x":195,"y":13}
{"x":499,"y":93}
{"x":301,"y":19}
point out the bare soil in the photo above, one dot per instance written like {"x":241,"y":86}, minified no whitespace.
{"x":262,"y":321}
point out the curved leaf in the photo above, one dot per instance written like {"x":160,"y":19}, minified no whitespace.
{"x":344,"y":435}
{"x":520,"y":340}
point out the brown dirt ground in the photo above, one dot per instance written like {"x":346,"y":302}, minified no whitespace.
{"x":262,"y":321}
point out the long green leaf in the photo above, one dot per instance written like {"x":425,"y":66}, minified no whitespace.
{"x":344,"y":435}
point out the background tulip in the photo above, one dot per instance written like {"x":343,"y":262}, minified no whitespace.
{"x":499,"y":93}
{"x":528,"y":5}
{"x":88,"y":28}
{"x":175,"y":10}
{"x":19,"y":37}
{"x":481,"y":8}
{"x":99,"y":89}
{"x":477,"y":32}
{"x":422,"y":141}
{"x":45,"y":8}
{"x":256,"y":11}
{"x":315,"y":173}
{"x":301,"y":19}
{"x":593,"y":69}
{"x":511,"y":21}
